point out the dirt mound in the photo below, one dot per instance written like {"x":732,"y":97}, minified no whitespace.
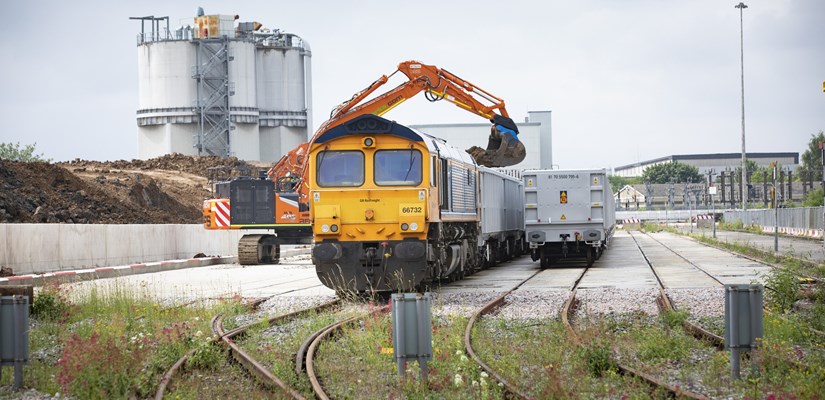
{"x":169,"y":162}
{"x":167,"y":189}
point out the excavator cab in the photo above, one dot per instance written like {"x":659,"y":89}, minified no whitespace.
{"x":503,"y":146}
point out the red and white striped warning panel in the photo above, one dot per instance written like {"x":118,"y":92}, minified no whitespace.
{"x":632,"y":221}
{"x":701,"y":217}
{"x":221,"y":210}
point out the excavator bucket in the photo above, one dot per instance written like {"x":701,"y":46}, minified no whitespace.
{"x":503,"y":147}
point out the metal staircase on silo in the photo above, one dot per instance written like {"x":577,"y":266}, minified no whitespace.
{"x":213,"y":90}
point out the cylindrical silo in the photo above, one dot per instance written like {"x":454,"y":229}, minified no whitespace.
{"x":244,"y":138}
{"x":166,"y":91}
{"x":217,"y":90}
{"x":282,"y":94}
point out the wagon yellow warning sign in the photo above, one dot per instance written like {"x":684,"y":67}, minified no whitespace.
{"x":563,"y":218}
{"x":529,"y":182}
{"x":563,"y":197}
{"x":595,"y":181}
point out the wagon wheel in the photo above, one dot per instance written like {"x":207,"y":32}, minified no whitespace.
{"x":544,"y":260}
{"x":590,"y":256}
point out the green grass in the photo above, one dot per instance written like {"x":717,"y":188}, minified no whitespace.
{"x":275,"y":346}
{"x":116,"y":344}
{"x":356,"y":365}
{"x":113,"y":342}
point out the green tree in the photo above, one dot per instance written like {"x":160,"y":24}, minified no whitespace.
{"x":618,"y":182}
{"x":676,"y":171}
{"x":13,"y":152}
{"x":812,"y":157}
{"x":813,"y":198}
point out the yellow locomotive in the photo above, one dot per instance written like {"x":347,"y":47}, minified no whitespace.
{"x":393,"y":208}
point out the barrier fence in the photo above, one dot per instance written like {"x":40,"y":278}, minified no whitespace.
{"x":802,"y":221}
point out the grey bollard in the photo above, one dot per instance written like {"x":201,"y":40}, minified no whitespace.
{"x":743,"y":321}
{"x":412,"y":330}
{"x":14,"y":335}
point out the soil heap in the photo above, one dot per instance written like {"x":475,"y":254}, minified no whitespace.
{"x":167,"y":189}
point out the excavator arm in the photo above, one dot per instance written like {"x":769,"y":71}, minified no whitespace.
{"x":503,"y":147}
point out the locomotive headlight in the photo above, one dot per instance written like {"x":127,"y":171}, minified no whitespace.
{"x":334,"y":228}
{"x":369,"y":142}
{"x":325,"y":228}
{"x":414,"y":226}
{"x":404,"y":226}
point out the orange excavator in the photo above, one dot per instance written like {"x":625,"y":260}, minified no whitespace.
{"x":279,"y":201}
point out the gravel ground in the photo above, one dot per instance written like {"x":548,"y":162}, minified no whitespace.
{"x":461,"y":304}
{"x":700,"y":302}
{"x":280,"y":305}
{"x":26,"y":394}
{"x":611,"y":301}
{"x":534,"y":304}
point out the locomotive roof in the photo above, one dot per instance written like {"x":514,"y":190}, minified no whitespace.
{"x":375,"y":125}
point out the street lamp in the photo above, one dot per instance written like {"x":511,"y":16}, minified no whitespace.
{"x":741,"y":6}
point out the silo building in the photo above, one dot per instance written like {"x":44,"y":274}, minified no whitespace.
{"x":221,"y":87}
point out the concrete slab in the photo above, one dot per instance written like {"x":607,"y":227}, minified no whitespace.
{"x":296,"y":278}
{"x":727,"y":267}
{"x":553,"y":279}
{"x":674,"y":271}
{"x":79,"y":244}
{"x":621,"y":266}
{"x":500,"y":278}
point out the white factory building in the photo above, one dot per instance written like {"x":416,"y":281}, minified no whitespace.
{"x":221,"y":87}
{"x":716,"y":162}
{"x":535,"y":132}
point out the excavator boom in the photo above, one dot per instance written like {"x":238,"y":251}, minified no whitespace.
{"x":503,"y":147}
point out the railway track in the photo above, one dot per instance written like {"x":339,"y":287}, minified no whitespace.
{"x":665,"y":304}
{"x":509,"y":388}
{"x":710,"y":336}
{"x":254,"y":367}
{"x":305,"y":359}
{"x":566,"y":311}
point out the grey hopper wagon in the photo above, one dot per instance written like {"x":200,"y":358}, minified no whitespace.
{"x":568,"y":213}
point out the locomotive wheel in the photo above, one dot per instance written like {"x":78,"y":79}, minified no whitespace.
{"x":590,"y":256}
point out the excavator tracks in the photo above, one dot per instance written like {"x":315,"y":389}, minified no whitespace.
{"x":253,"y":250}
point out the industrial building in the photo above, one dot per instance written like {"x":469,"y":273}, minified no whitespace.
{"x":221,"y":87}
{"x":535,"y":132}
{"x":717,"y":162}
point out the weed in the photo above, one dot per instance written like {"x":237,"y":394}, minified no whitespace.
{"x":782,"y":289}
{"x":598,"y":359}
{"x":674,"y":319}
{"x":50,"y":304}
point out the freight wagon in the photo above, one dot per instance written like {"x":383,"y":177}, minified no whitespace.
{"x":568,"y":213}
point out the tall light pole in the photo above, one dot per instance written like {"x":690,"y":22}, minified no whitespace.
{"x":741,"y":6}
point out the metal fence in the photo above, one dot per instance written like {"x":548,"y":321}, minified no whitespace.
{"x":806,"y":218}
{"x":661,"y":215}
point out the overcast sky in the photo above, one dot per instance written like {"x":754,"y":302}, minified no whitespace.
{"x":627,"y":81}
